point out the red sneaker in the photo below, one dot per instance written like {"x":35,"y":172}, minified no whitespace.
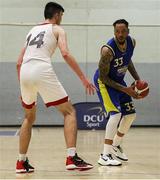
{"x":75,"y":162}
{"x":24,"y":167}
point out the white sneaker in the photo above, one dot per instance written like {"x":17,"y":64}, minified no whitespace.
{"x":108,"y":160}
{"x":118,"y":152}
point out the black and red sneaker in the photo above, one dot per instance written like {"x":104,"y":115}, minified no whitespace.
{"x":24,"y":167}
{"x":75,"y":162}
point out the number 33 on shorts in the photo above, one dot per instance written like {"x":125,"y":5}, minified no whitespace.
{"x":129,"y":106}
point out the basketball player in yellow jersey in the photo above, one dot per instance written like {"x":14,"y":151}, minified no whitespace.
{"x":36,"y":75}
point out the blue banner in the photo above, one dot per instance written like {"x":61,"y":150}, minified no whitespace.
{"x":91,"y":115}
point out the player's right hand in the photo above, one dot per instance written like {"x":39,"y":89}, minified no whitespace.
{"x":131,"y":92}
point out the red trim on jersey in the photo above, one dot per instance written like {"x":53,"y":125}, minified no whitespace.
{"x":27,"y":106}
{"x":55,"y":103}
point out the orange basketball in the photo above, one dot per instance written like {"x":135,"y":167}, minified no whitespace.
{"x":141,"y":87}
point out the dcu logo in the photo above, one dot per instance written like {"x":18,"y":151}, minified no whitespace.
{"x":90,"y":115}
{"x":94,"y":117}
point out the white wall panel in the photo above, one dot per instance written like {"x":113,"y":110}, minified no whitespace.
{"x":84,"y":41}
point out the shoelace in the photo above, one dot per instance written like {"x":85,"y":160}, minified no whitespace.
{"x":78,"y":160}
{"x":120,"y":149}
{"x":110,"y":156}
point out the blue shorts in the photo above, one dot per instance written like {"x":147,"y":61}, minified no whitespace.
{"x":113,"y":101}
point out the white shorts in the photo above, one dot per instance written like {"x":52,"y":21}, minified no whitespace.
{"x":39,"y":77}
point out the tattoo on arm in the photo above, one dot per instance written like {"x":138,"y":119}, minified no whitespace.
{"x":104,"y":67}
{"x":133,"y":71}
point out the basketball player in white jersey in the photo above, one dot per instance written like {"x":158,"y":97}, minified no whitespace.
{"x":36,"y":75}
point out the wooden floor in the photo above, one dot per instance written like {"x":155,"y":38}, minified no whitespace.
{"x":47,"y":154}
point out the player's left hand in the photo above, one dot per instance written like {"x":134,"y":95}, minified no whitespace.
{"x":90,"y":88}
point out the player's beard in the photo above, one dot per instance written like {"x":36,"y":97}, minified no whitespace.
{"x":121,"y":41}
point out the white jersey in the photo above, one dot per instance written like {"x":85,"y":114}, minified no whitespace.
{"x":40,"y":43}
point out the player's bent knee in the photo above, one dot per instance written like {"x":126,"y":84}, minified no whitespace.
{"x":70,"y":111}
{"x":126,"y":123}
{"x":67,"y":109}
{"x":111,"y":127}
{"x":30,"y":118}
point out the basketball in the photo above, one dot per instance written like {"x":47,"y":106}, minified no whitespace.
{"x":141,"y":87}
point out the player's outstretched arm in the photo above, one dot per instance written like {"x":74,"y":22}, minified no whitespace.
{"x":19,"y":62}
{"x":104,"y":67}
{"x":133,"y":71}
{"x":71,"y":61}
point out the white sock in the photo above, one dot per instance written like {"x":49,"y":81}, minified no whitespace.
{"x":107,"y":149}
{"x":22,"y":157}
{"x":71,"y":151}
{"x":117,"y":140}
